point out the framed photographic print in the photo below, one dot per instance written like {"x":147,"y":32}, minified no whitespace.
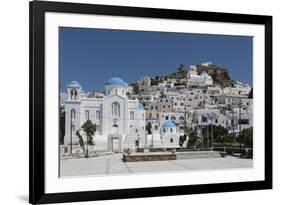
{"x":130,"y":102}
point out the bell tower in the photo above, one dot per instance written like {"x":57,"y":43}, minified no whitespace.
{"x":74,"y":90}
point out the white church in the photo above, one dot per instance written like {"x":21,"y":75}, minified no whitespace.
{"x":194,"y":78}
{"x":120,"y":121}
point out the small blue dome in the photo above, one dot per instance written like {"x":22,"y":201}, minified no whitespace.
{"x":169,"y":124}
{"x":140,"y":106}
{"x":74,"y":82}
{"x":115,"y":81}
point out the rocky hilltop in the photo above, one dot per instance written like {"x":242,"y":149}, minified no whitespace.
{"x":219,"y":75}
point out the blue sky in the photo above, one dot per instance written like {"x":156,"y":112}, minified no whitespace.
{"x":92,"y":56}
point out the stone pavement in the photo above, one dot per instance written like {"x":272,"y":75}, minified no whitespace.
{"x":113,"y":164}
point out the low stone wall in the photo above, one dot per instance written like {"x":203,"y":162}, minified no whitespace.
{"x":157,"y":149}
{"x":148,"y":157}
{"x":198,"y":154}
{"x":160,"y":156}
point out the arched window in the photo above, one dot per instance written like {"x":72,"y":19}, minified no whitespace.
{"x":98,"y":115}
{"x":171,"y":130}
{"x":173,"y":118}
{"x":73,"y":94}
{"x":72,"y":113}
{"x":181,"y":118}
{"x":171,"y":140}
{"x":132,"y":117}
{"x":87,"y":114}
{"x":115,"y":107}
{"x":204,"y":119}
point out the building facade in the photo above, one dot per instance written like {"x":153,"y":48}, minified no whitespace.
{"x":118,"y":119}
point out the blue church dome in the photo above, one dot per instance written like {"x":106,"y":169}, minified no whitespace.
{"x":74,"y":82}
{"x":115,"y":81}
{"x":140,"y":106}
{"x":169,"y":124}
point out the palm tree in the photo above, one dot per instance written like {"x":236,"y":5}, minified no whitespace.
{"x":148,"y":128}
{"x":90,"y":129}
{"x":181,"y":71}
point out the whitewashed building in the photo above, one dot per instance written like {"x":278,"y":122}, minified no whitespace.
{"x":144,"y":83}
{"x":194,"y":78}
{"x":170,"y":134}
{"x":119,"y":120}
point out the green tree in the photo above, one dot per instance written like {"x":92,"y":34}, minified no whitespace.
{"x":246,"y":137}
{"x":181,"y":71}
{"x":135,"y":88}
{"x":182,"y":140}
{"x":148,"y":128}
{"x":223,"y":139}
{"x":154,"y":81}
{"x":181,"y":68}
{"x":217,"y":132}
{"x":90,"y":130}
{"x":193,"y":139}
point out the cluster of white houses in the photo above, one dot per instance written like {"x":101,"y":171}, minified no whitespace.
{"x":169,"y":108}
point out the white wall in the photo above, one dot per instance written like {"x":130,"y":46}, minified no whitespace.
{"x":14,"y":100}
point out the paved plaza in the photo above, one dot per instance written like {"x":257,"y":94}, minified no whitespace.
{"x":113,"y":164}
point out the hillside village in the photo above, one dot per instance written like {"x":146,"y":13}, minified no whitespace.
{"x":161,"y":111}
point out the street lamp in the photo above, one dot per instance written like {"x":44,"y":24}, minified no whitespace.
{"x":87,"y":148}
{"x":71,"y":130}
{"x":239,"y":121}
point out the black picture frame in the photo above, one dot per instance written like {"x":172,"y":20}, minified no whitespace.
{"x":37,"y":194}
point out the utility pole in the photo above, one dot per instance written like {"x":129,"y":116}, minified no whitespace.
{"x":232,"y":128}
{"x":208,"y":141}
{"x":70,"y":137}
{"x":71,"y":117}
{"x":232,"y":111}
{"x":152,"y":140}
{"x":212,"y":136}
{"x":87,"y":151}
{"x":239,"y":121}
{"x":211,"y":116}
{"x":185,"y":112}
